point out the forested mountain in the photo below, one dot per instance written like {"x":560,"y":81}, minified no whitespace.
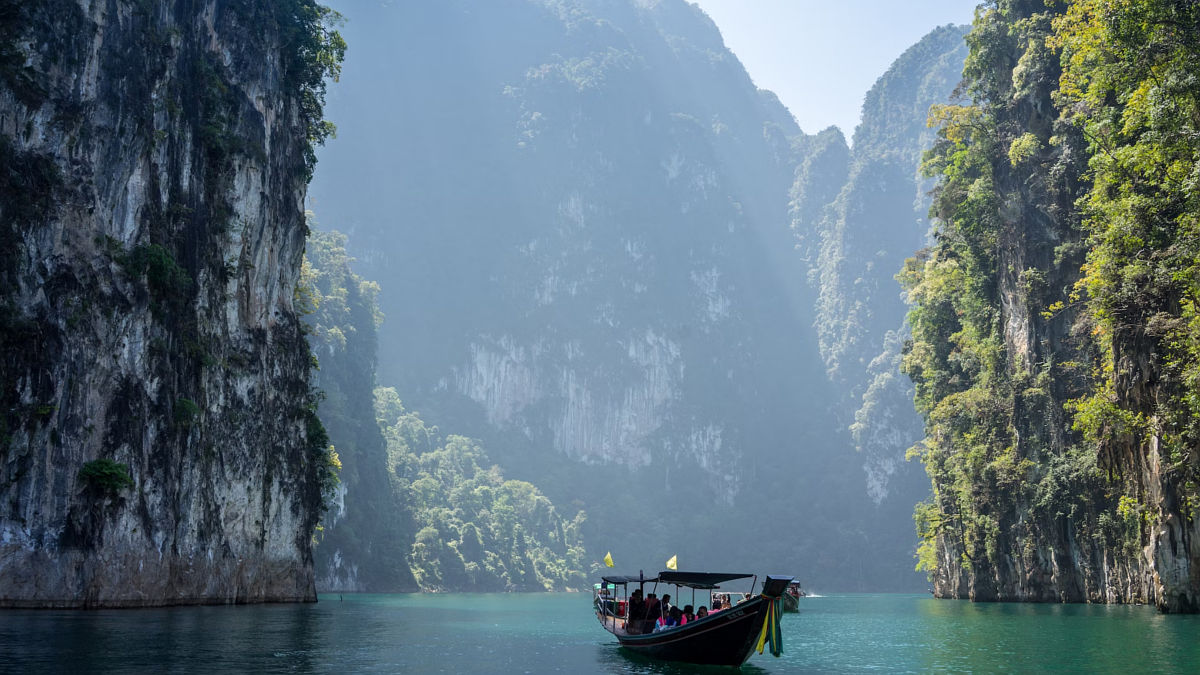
{"x":581,"y":217}
{"x":413,"y":509}
{"x":1054,"y":343}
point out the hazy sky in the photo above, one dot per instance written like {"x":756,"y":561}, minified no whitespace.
{"x":821,"y":56}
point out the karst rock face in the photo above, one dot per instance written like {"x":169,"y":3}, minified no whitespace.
{"x":855,"y":241}
{"x":580,"y":216}
{"x":152,"y":162}
{"x":1062,"y":461}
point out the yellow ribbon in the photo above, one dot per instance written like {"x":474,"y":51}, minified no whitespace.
{"x":771,"y":622}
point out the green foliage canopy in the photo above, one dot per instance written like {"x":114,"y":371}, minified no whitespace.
{"x":1084,"y":121}
{"x":477,"y":530}
{"x":106,"y":476}
{"x":1131,"y":83}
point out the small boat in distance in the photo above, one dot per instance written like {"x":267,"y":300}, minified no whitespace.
{"x":791,"y":597}
{"x":725,"y":637}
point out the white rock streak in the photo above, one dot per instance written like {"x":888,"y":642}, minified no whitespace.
{"x":591,"y":420}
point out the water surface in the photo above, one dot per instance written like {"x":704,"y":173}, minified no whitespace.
{"x":548,"y":633}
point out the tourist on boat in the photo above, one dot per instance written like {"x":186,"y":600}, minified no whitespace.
{"x":653,"y":612}
{"x":664,"y":622}
{"x":702,"y":612}
{"x":637,"y":606}
{"x":689,"y":614}
{"x":666,"y":604}
{"x":636,"y":615}
{"x":717,"y":604}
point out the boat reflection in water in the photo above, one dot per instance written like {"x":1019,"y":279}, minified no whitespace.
{"x":725,"y":637}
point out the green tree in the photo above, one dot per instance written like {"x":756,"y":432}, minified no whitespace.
{"x":477,"y":530}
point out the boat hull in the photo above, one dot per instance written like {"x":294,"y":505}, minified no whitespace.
{"x":722,"y":639}
{"x":791,"y":603}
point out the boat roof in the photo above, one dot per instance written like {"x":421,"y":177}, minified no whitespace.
{"x":703,"y":580}
{"x":699,"y":579}
{"x":624,"y":579}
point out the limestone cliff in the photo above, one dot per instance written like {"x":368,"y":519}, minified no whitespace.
{"x":577,"y":212}
{"x":1053,"y":351}
{"x":157,"y":440}
{"x":1034,"y":525}
{"x":855,"y":235}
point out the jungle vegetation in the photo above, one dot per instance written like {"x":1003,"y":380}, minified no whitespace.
{"x":1056,"y":346}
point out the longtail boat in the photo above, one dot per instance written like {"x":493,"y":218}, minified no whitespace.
{"x":723,"y":638}
{"x":791,"y":597}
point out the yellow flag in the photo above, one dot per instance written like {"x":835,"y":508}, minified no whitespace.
{"x":608,"y":559}
{"x":671,"y":563}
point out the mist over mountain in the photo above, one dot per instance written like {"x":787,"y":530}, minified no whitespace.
{"x":583,"y":218}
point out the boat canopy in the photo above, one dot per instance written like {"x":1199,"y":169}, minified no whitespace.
{"x":612,"y":579}
{"x":702,"y":580}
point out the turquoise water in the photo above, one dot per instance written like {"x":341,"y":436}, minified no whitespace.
{"x":548,"y":633}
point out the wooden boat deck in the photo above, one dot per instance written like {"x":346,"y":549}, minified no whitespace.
{"x":614,"y":625}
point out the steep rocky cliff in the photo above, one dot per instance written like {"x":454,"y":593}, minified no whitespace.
{"x":578,"y":212}
{"x":1011,"y":487}
{"x":157,"y":439}
{"x":594,"y":204}
{"x":1053,"y":341}
{"x":855,"y":228}
{"x":583,"y":146}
